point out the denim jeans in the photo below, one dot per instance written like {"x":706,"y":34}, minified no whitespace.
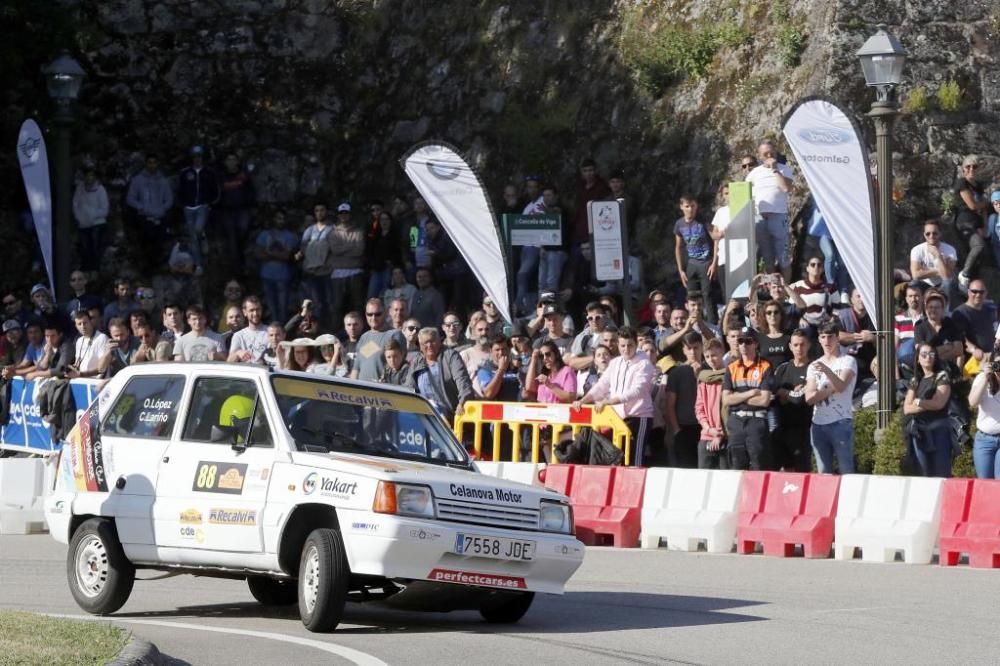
{"x":772,"y":239}
{"x":833,"y":266}
{"x":985,"y":452}
{"x":932,"y":448}
{"x":276,"y":297}
{"x":550,"y":265}
{"x":529,"y":267}
{"x":235,"y":225}
{"x":831,"y":439}
{"x":195,"y":220}
{"x":91,"y":247}
{"x":379,"y":282}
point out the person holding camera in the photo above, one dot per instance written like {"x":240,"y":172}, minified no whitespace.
{"x":929,"y":431}
{"x":985,"y":394}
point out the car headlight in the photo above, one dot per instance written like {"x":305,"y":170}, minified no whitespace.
{"x":555,"y":517}
{"x":404,"y":499}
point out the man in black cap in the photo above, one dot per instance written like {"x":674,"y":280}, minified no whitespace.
{"x":746,"y":391}
{"x":554,"y":330}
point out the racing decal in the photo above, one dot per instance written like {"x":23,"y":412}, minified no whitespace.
{"x":329,"y":486}
{"x":365,"y":527}
{"x":487,"y":494}
{"x":423,"y":534}
{"x":472,"y":578}
{"x":86,"y":454}
{"x":232,"y":517}
{"x":191,"y":517}
{"x":219,"y":477}
{"x":195,"y":533}
{"x":349,"y":395}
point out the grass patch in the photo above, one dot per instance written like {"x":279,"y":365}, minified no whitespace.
{"x":916,"y":100}
{"x":949,"y":97}
{"x":27,"y":639}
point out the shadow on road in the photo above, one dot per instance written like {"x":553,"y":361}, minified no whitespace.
{"x":573,"y":612}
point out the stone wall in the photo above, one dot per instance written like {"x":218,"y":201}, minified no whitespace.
{"x":323,"y":96}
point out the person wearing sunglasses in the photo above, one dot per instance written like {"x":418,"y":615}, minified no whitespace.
{"x":814,"y":297}
{"x":929,"y":432}
{"x":13,"y":308}
{"x":369,"y":359}
{"x":976,"y":318}
{"x":830,"y":382}
{"x":581,"y":352}
{"x":938,"y":329}
{"x":454,"y":338}
{"x":985,"y":395}
{"x":412,"y":350}
{"x":971,"y":207}
{"x":746,"y":392}
{"x":772,"y":181}
{"x":933,"y":261}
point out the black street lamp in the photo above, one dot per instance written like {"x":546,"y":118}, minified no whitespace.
{"x":63,"y":76}
{"x":882,"y":59}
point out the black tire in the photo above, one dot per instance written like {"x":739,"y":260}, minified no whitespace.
{"x":100,"y":576}
{"x":273,"y":592}
{"x":506,"y":607}
{"x":323,"y":578}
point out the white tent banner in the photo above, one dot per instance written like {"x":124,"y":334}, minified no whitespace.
{"x":35,"y":171}
{"x":829,"y":152}
{"x":453,"y":192}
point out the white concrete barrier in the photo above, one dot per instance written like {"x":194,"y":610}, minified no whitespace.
{"x":883,"y":515}
{"x":22,"y":492}
{"x":688,"y":506}
{"x":526,"y":473}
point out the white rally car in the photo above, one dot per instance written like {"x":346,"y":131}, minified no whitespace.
{"x":311,"y":488}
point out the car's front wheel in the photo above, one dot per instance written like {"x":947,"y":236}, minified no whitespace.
{"x":100,"y":576}
{"x":506,"y":607}
{"x":271,"y":591}
{"x":323,"y":578}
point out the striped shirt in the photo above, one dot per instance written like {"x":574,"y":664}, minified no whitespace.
{"x":819,"y":299}
{"x":905,"y":322}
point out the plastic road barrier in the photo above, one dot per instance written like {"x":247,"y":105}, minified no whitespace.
{"x":970,"y":522}
{"x":22,"y":491}
{"x":495,"y":416}
{"x":607,"y":501}
{"x":883,"y":515}
{"x":690,"y":506}
{"x":526,"y":473}
{"x":781,"y":509}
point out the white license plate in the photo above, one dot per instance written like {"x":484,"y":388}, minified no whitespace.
{"x":497,"y":548}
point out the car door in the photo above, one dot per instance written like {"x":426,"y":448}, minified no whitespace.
{"x":213,"y":480}
{"x":133,"y":436}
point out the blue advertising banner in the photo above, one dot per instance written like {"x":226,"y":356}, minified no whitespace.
{"x":25,"y":431}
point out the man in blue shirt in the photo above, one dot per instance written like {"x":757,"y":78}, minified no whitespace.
{"x":275,"y":248}
{"x":695,"y":252}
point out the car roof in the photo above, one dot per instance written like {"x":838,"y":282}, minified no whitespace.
{"x":245,"y":369}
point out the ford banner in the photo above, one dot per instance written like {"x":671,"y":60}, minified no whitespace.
{"x":26,"y":431}
{"x":828,"y":148}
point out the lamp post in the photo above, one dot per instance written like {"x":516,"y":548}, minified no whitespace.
{"x":882,"y":59}
{"x":63,"y":77}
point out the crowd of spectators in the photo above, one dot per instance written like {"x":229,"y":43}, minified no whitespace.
{"x":383,"y":294}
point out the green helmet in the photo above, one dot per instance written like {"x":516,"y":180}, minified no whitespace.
{"x":236,"y":408}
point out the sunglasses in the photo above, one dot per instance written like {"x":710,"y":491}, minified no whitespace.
{"x":747,"y":165}
{"x":327,"y":348}
{"x":931,"y":234}
{"x":977,"y":292}
{"x":411,"y":328}
{"x":374,"y":314}
{"x":772,"y":312}
{"x":449,"y":324}
{"x":971,"y":166}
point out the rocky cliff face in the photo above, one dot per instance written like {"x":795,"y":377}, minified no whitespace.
{"x":323,"y":96}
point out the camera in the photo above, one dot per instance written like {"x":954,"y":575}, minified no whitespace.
{"x":993,"y":366}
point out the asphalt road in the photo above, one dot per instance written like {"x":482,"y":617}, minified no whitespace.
{"x":633,"y":606}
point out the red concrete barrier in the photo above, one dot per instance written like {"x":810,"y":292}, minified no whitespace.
{"x":970,"y":522}
{"x":607,"y":501}
{"x":781,"y":510}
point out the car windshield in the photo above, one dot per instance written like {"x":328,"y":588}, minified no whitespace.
{"x":326,"y":417}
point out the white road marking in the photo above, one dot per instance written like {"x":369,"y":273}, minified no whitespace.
{"x":350,"y":654}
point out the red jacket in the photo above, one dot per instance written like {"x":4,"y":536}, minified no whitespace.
{"x":708,"y":407}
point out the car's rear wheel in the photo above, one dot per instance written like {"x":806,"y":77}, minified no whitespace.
{"x":323,"y":577}
{"x":100,"y":576}
{"x":506,"y":607}
{"x":273,"y":592}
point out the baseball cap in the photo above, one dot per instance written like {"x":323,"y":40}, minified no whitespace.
{"x":995,"y":196}
{"x":518,"y":330}
{"x":197,"y":150}
{"x":344,"y":208}
{"x":547,"y":297}
{"x":11,"y":325}
{"x":552,"y":310}
{"x":747,"y":332}
{"x":39,"y":287}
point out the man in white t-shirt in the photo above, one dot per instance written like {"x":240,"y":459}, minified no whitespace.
{"x":771,"y":181}
{"x":932,"y":261}
{"x":90,"y":347}
{"x":829,"y":388}
{"x":250,"y":342}
{"x":720,"y":222}
{"x":199,"y":344}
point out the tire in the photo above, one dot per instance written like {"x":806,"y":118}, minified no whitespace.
{"x":323,"y":578}
{"x":100,"y":576}
{"x":273,"y":592}
{"x":506,"y":608}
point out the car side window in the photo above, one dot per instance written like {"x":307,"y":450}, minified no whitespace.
{"x":146,"y":407}
{"x":226,"y":403}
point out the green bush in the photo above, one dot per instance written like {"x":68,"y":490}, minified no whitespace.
{"x":791,"y":43}
{"x":949,"y":97}
{"x":916,"y":100}
{"x":890,"y":453}
{"x":864,"y":440}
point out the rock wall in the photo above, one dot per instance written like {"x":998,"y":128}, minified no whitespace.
{"x":323,"y":96}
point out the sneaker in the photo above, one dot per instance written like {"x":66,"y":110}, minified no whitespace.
{"x":963,"y":281}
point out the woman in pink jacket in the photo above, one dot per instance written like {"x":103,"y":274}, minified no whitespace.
{"x":627,"y":387}
{"x":708,"y":408}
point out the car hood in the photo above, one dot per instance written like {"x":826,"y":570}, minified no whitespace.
{"x":448,"y":483}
